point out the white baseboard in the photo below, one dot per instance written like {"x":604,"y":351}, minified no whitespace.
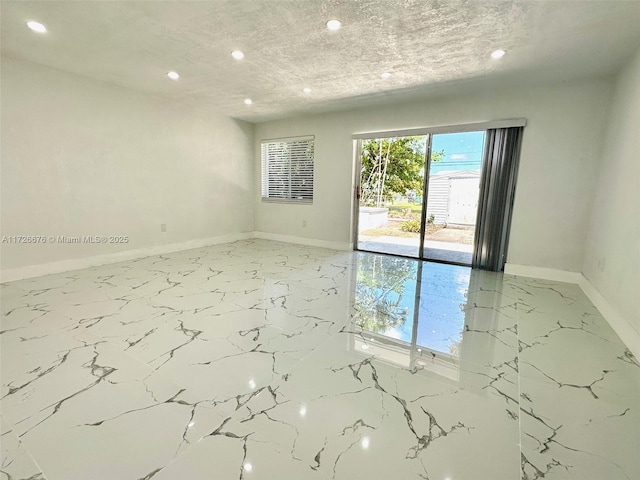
{"x":304,"y":241}
{"x":31,"y":271}
{"x":629,"y":335}
{"x":543,"y":273}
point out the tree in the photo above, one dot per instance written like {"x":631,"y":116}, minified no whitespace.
{"x":392,"y":165}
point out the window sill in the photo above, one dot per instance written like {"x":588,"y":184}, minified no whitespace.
{"x":287,"y":200}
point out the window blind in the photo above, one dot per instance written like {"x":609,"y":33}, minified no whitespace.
{"x":497,"y":192}
{"x":287,"y":169}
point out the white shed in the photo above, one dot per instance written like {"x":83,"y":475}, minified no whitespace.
{"x":453,"y":197}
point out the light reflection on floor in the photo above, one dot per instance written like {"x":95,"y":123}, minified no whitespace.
{"x":262,"y":360}
{"x":416,"y":302}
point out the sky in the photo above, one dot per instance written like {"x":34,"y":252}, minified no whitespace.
{"x":463,"y":151}
{"x":440,"y":318}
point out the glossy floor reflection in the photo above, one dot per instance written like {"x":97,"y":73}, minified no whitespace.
{"x":263,"y":360}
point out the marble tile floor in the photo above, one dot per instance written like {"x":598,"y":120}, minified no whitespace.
{"x":263,"y":360}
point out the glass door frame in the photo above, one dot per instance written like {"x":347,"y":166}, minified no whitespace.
{"x":425,"y":193}
{"x":429,"y":132}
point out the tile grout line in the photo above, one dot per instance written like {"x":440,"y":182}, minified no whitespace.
{"x":23,"y":446}
{"x":519,"y":387}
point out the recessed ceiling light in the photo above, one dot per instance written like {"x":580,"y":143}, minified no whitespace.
{"x":237,"y":54}
{"x":248,"y":101}
{"x":36,"y":26}
{"x":497,"y":54}
{"x":173,"y":75}
{"x":306,"y":90}
{"x":385,"y":75}
{"x":334,"y":24}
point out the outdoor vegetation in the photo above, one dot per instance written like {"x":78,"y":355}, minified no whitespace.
{"x":392,"y":177}
{"x":393,"y":167}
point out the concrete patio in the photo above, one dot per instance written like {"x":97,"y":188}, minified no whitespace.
{"x":445,"y":245}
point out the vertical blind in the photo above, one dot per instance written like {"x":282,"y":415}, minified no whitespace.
{"x":287,"y":169}
{"x":497,"y":192}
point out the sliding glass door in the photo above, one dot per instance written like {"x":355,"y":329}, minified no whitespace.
{"x":391,"y":195}
{"x":418,"y":195}
{"x":453,"y":186}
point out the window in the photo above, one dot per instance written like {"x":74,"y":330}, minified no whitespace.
{"x":287,"y":170}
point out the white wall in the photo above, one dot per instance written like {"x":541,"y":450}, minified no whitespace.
{"x":612,"y":257}
{"x":85,"y":158}
{"x":560,"y":157}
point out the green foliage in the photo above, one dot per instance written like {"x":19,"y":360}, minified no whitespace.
{"x":396,"y":162}
{"x":398,"y":213}
{"x":410,"y":226}
{"x":431,"y":219}
{"x":393,"y":165}
{"x":437,"y":156}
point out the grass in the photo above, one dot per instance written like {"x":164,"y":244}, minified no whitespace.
{"x":413,"y":208}
{"x":396,"y":232}
{"x":389,"y":232}
{"x":397,"y":214}
{"x":433,"y":228}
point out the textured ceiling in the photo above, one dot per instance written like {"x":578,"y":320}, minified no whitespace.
{"x":430,"y":47}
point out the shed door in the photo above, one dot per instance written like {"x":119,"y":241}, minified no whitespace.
{"x":463,"y":200}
